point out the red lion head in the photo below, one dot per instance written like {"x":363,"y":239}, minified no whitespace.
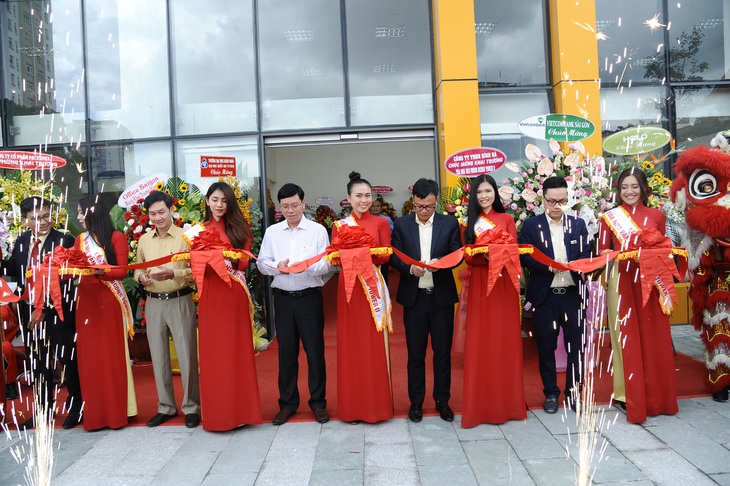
{"x":702,"y":185}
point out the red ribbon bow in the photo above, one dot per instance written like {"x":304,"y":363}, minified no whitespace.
{"x":354,"y":243}
{"x":47,"y":279}
{"x":207,"y":250}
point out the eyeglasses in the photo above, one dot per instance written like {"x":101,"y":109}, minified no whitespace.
{"x":43,"y":217}
{"x":293,"y":207}
{"x":553,"y":202}
{"x":418,"y":207}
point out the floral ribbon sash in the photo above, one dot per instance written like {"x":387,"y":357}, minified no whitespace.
{"x":96,"y":256}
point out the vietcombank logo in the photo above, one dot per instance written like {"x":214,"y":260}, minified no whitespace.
{"x":560,"y":127}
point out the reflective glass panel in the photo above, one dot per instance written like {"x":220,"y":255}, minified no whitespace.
{"x":630,"y":107}
{"x":214,"y":66}
{"x":698,"y":45}
{"x":630,"y":50}
{"x":301,"y":64}
{"x":117,"y":166}
{"x":128,"y":69}
{"x":190,"y":155}
{"x":43,"y":72}
{"x":389,"y":62}
{"x":701,"y":113}
{"x":511,"y":42}
{"x":500,"y":113}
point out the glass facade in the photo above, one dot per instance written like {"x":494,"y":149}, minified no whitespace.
{"x":127,"y":89}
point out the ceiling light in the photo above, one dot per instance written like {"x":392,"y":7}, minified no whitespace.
{"x":709,"y":23}
{"x":484,"y":27}
{"x":310,"y":72}
{"x":390,"y":31}
{"x":298,"y":35}
{"x":602,"y":25}
{"x":384,"y":68}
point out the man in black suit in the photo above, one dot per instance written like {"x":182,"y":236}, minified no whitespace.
{"x":428,"y":296}
{"x":555,"y":296}
{"x":48,"y":336}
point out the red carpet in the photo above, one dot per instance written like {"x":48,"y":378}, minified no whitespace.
{"x":690,"y":374}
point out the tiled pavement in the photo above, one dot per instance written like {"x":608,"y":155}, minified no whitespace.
{"x":691,"y":448}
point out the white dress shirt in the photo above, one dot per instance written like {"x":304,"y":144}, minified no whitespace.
{"x":305,"y":241}
{"x":557,"y":236}
{"x":425,"y":232}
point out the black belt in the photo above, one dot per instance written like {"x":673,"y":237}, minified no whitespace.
{"x":563,"y":290}
{"x":426,"y":291}
{"x":297,"y":293}
{"x":170,"y":295}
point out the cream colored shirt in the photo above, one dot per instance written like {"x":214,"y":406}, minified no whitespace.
{"x":425,"y":231}
{"x":151,"y":246}
{"x":557,"y":236}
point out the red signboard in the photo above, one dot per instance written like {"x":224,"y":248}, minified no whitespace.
{"x":382,"y":189}
{"x":474,"y":161}
{"x":30,"y":161}
{"x":217,"y":166}
{"x":345,"y":204}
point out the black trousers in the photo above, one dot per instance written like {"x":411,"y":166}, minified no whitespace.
{"x":560,"y":311}
{"x":300,"y":318}
{"x":44,"y":344}
{"x":423,"y":319}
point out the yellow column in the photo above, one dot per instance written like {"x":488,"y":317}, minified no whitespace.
{"x":457,"y":90}
{"x":575,"y":63}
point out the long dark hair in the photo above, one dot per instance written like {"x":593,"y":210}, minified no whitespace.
{"x":99,"y":224}
{"x":236,"y":226}
{"x":474,"y":209}
{"x":354,"y":180}
{"x":643,"y":184}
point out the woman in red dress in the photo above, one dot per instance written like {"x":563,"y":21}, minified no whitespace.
{"x":494,"y":390}
{"x":364,"y":390}
{"x":641,"y":341}
{"x":103,"y":318}
{"x":229,"y":389}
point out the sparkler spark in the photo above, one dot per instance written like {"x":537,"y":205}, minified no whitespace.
{"x":653,"y":23}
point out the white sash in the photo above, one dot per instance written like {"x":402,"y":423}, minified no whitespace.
{"x":621,"y":224}
{"x":380,"y":307}
{"x":482,"y":224}
{"x":96,"y":256}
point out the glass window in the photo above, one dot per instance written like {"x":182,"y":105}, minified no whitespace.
{"x":500,"y":113}
{"x":629,"y":107}
{"x":244,"y":149}
{"x":128,"y":75}
{"x":701,"y":113}
{"x":116,"y":166}
{"x":697,"y":41}
{"x":46,"y":104}
{"x":504,"y":29}
{"x":389,"y":62}
{"x":628,"y":49}
{"x":302,"y":84}
{"x":214,"y":66}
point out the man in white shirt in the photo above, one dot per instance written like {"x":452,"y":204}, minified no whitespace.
{"x":298,"y":311}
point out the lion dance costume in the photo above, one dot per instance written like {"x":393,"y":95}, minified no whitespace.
{"x":702,"y":189}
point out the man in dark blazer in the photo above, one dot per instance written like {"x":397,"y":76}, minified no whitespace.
{"x":427,"y":296}
{"x":555,"y":296}
{"x":48,"y":336}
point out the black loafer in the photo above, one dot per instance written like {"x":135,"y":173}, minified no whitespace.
{"x":445,"y":411}
{"x":721,"y":396}
{"x":281,"y":417}
{"x":415,"y":414}
{"x":550,"y":405}
{"x":321,"y":415}
{"x":11,"y":392}
{"x":192,"y":420}
{"x":71,"y":421}
{"x":160,"y":419}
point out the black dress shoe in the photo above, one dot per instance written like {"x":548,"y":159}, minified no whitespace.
{"x":71,"y":421}
{"x":550,"y":405}
{"x":321,"y":415}
{"x":192,"y":420}
{"x":160,"y":419}
{"x":11,"y":391}
{"x":281,"y":417}
{"x":620,"y":404}
{"x":445,"y":411}
{"x":721,"y":396}
{"x":415,"y":414}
